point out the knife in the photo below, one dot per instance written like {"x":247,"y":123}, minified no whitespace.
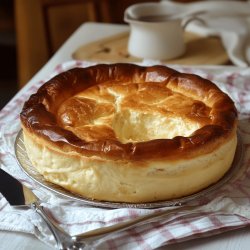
{"x":19,"y":195}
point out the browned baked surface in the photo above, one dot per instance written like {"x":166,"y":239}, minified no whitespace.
{"x":123,"y":132}
{"x":43,"y":113}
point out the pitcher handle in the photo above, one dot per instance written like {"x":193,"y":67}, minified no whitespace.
{"x":185,"y":22}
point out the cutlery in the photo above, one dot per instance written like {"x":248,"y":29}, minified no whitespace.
{"x":19,"y":196}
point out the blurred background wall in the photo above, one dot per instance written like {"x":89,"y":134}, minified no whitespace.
{"x":8,"y":65}
{"x":32,"y":30}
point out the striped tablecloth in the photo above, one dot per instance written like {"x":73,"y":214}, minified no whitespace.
{"x":226,"y":209}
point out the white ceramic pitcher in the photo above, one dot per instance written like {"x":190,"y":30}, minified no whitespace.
{"x":156,"y":32}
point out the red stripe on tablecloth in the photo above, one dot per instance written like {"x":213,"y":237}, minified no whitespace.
{"x":160,"y":228}
{"x":138,"y":238}
{"x":218,"y":225}
{"x":10,"y":107}
{"x":169,"y":236}
{"x":245,"y":221}
{"x":242,"y":190}
{"x":133,"y":214}
{"x":34,"y":88}
{"x":209,"y":76}
{"x":138,"y":235}
{"x":193,"y":228}
{"x":78,"y":64}
{"x":187,"y":70}
{"x":246,"y":84}
{"x":111,"y":244}
{"x":231,"y":78}
{"x":59,"y":68}
{"x":243,"y":98}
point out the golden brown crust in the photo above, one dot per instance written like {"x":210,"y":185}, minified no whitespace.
{"x":44,"y":113}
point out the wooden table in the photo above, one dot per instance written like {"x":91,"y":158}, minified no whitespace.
{"x":87,"y":33}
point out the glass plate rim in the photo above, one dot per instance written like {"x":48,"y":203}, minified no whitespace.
{"x":19,"y":145}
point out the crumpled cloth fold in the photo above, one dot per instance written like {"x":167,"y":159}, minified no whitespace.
{"x":229,"y":20}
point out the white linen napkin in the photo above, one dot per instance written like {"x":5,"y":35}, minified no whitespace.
{"x":229,"y":20}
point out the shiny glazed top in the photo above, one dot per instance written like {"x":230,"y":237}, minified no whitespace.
{"x":86,"y":110}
